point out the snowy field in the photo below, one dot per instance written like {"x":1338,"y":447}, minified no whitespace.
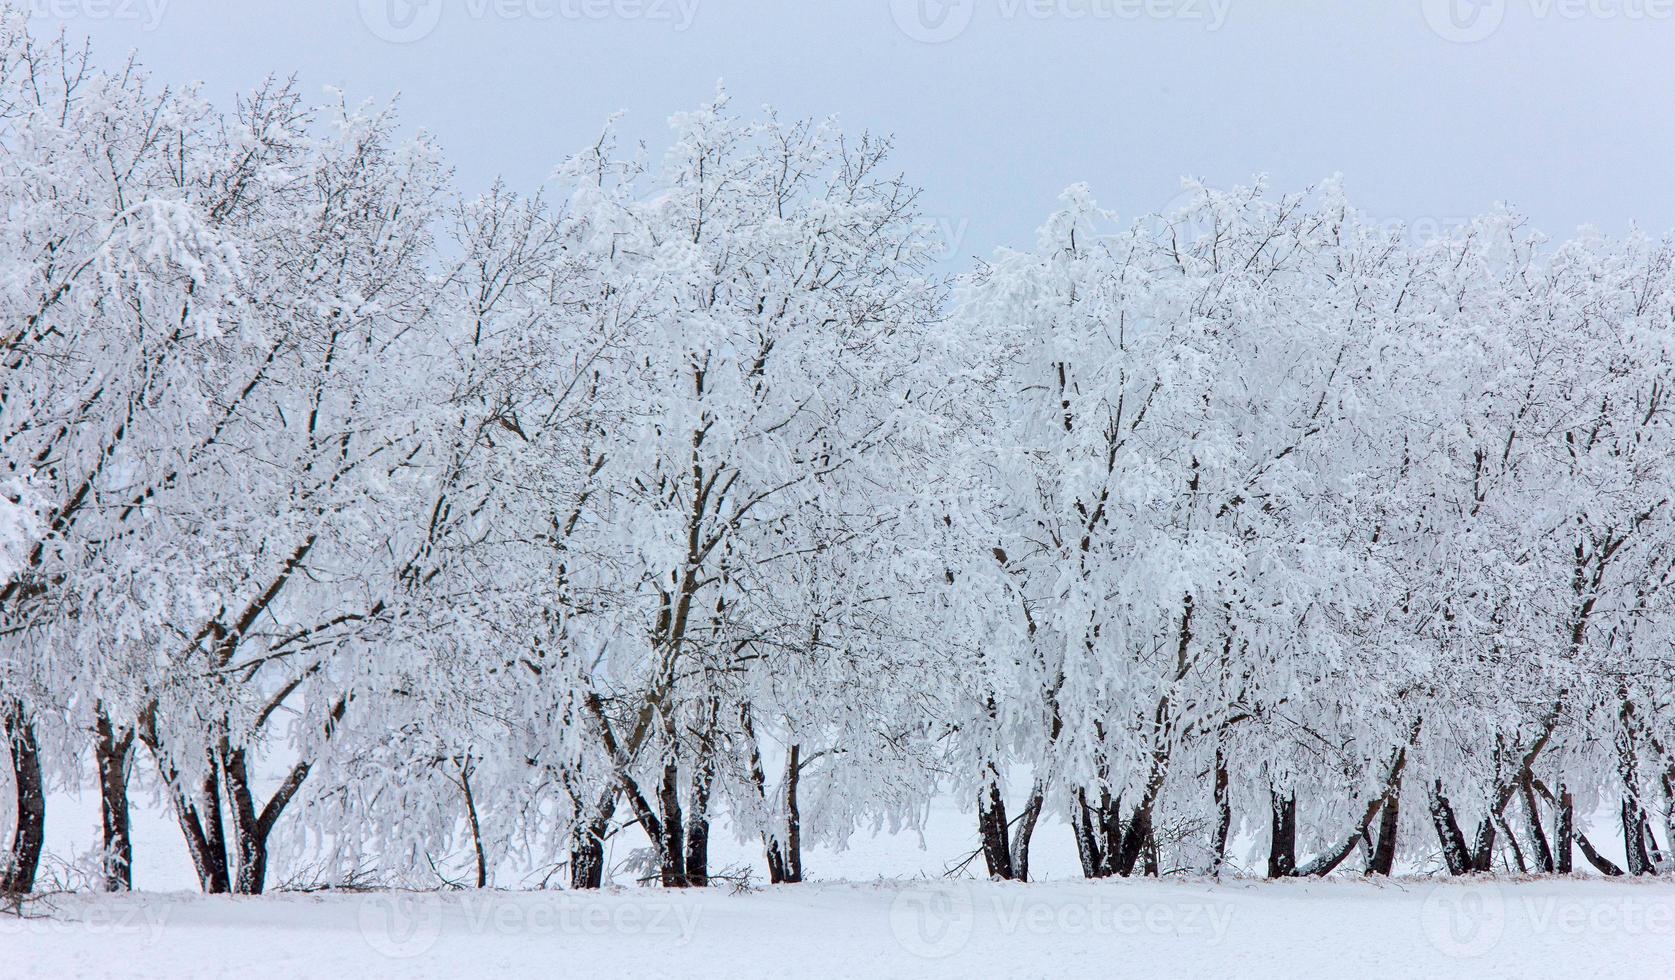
{"x":926,"y":926}
{"x":1405,"y":927}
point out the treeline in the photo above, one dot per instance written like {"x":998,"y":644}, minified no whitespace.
{"x":403,"y":535}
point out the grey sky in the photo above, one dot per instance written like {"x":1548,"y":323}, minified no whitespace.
{"x":1563,"y":108}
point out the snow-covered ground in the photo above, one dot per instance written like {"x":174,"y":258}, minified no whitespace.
{"x":923,"y":925}
{"x":1405,"y":927}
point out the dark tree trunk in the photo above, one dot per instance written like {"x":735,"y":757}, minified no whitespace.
{"x":1085,"y":824}
{"x":1541,"y":851}
{"x":250,"y":836}
{"x":200,"y":823}
{"x":1633,"y":812}
{"x":1483,"y":853}
{"x":113,"y":754}
{"x":1135,"y":836}
{"x":672,"y":848}
{"x":1389,"y":822}
{"x":1512,"y":844}
{"x":1025,"y":832}
{"x":1224,"y":814}
{"x":783,"y":849}
{"x":1654,"y":852}
{"x":785,"y":857}
{"x":587,"y":844}
{"x":1634,"y":838}
{"x":1282,"y":844}
{"x":1564,"y":831}
{"x":199,"y":818}
{"x":1455,"y":853}
{"x":994,"y":829}
{"x":1099,"y":833}
{"x":698,"y":825}
{"x":29,"y":834}
{"x":473,"y":824}
{"x":1602,"y":864}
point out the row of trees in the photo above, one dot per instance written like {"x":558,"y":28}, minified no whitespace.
{"x":399,"y":532}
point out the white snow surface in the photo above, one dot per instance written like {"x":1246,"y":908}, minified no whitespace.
{"x":1136,"y":928}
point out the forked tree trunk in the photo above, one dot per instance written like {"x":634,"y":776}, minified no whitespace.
{"x":785,"y":852}
{"x":29,"y":833}
{"x":587,"y":844}
{"x":1005,"y":850}
{"x":250,"y":835}
{"x":1635,"y":830}
{"x":1099,"y":833}
{"x":113,"y":754}
{"x":199,"y":818}
{"x":1541,"y":852}
{"x":1025,"y":832}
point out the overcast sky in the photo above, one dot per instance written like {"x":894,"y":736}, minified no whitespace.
{"x":1431,"y":109}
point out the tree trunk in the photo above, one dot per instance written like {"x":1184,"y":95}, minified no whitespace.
{"x":698,"y":825}
{"x":250,"y":836}
{"x":29,"y":835}
{"x":1634,"y":838}
{"x":1025,"y":832}
{"x":1389,"y":822}
{"x":785,"y":857}
{"x":1282,"y":844}
{"x":113,"y":753}
{"x":672,"y":848}
{"x":1455,"y":853}
{"x":1086,"y":823}
{"x":200,"y":823}
{"x":1633,"y":812}
{"x":1602,"y":864}
{"x":473,"y":824}
{"x":1564,"y":831}
{"x":587,"y":844}
{"x":1541,"y":851}
{"x":1224,"y":815}
{"x":992,"y":826}
{"x":1483,"y":852}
